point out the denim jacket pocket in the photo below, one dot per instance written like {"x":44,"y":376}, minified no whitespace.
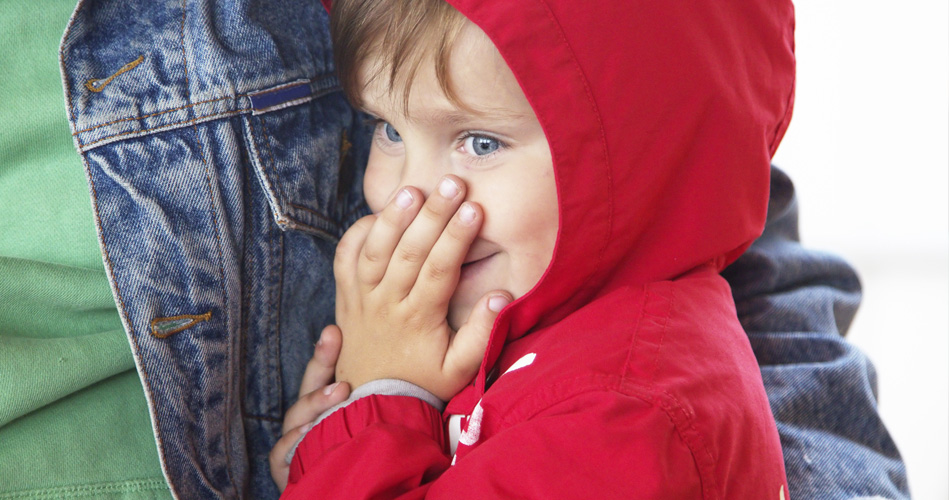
{"x":296,"y":160}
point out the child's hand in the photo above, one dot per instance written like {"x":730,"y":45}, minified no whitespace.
{"x":316,"y":396}
{"x":395,"y":273}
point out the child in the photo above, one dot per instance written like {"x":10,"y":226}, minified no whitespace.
{"x":613,"y":158}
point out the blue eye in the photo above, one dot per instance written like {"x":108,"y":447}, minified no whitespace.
{"x":391,"y":133}
{"x":481,"y":145}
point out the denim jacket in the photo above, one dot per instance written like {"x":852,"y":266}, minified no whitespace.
{"x":219,"y":152}
{"x":224,"y":164}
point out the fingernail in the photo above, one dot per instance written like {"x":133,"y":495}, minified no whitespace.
{"x":498,"y":302}
{"x":404,"y":199}
{"x":329,"y":389}
{"x":467,"y":213}
{"x":448,"y":188}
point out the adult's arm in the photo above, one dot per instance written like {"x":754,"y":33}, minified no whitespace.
{"x":796,"y":305}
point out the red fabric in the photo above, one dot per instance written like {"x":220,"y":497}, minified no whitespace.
{"x":398,"y":430}
{"x":662,"y":118}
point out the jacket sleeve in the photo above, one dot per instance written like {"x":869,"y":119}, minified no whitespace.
{"x":594,"y":445}
{"x":796,"y":304}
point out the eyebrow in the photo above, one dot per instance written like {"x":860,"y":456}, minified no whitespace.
{"x":456,"y":118}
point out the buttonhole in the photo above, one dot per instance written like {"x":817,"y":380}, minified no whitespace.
{"x":99,"y":84}
{"x":165,"y":327}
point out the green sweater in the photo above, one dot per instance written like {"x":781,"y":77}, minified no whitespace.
{"x":73,"y":416}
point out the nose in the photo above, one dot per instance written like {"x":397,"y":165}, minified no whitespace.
{"x":423,"y":171}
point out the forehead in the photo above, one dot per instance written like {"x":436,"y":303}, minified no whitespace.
{"x":480,"y":81}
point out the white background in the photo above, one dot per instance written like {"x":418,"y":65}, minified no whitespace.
{"x":868,"y":149}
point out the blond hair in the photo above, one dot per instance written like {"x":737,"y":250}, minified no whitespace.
{"x":402,"y":33}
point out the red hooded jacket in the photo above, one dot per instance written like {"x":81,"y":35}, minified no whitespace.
{"x":624,"y":373}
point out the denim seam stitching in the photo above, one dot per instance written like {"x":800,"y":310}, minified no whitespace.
{"x":131,"y":328}
{"x":274,"y":296}
{"x":308,"y":228}
{"x":316,"y":214}
{"x":262,"y":160}
{"x":123,"y":310}
{"x":295,"y":83}
{"x":220,"y":253}
{"x":217,"y":236}
{"x":192,"y":121}
{"x":206,"y":101}
{"x":282,"y":268}
{"x":266,"y":139}
{"x":245,"y":300}
{"x":184,"y":56}
{"x":283,"y":105}
{"x":171,"y":125}
{"x":141,"y":117}
{"x":282,"y":218}
{"x":276,"y":275}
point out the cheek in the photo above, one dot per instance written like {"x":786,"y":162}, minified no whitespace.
{"x":529,"y":232}
{"x":535,"y":247}
{"x":379,"y":182}
{"x":541,"y":205}
{"x":540,"y":235}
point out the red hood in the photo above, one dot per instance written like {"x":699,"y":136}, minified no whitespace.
{"x":662,"y":118}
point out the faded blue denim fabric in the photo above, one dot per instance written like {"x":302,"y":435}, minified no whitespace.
{"x":224,"y":164}
{"x":796,"y":304}
{"x":218,"y":149}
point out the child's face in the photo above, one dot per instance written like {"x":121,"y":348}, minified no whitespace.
{"x":497,"y":147}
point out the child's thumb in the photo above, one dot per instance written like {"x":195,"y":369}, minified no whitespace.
{"x":467,"y":347}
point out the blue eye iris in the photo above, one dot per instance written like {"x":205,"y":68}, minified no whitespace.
{"x":391,"y":133}
{"x":480,"y":145}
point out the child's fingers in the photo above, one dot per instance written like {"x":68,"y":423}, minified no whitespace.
{"x":349,"y":248}
{"x":467,"y":347}
{"x":421,"y":235}
{"x":439,"y":274}
{"x":306,"y":410}
{"x":312,"y":404}
{"x":385,"y":234}
{"x":319,"y":371}
{"x":281,"y":453}
{"x":279,"y":468}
